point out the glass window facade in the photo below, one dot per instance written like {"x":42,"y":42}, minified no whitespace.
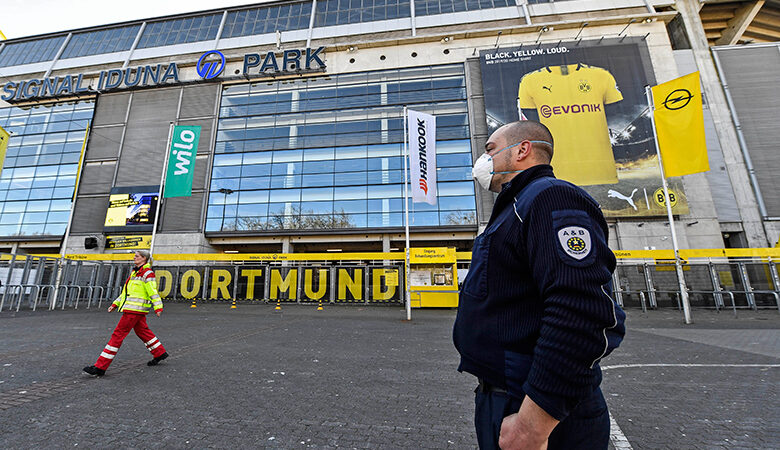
{"x":245,"y":22}
{"x":248,"y":22}
{"x":327,"y":152}
{"x":340,"y":12}
{"x":430,"y":7}
{"x":101,"y":41}
{"x":18,"y":53}
{"x":180,"y":31}
{"x":39,"y":173}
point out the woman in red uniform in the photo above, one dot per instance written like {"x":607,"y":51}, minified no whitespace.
{"x":138,"y":297}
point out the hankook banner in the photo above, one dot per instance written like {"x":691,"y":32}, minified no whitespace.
{"x":591,"y":96}
{"x":422,"y":156}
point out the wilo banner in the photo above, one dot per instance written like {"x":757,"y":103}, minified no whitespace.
{"x":181,"y":161}
{"x":422,"y":156}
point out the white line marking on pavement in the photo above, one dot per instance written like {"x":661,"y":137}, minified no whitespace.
{"x":616,"y":436}
{"x":625,"y":366}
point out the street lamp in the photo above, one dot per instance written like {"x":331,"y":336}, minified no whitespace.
{"x":225,"y":192}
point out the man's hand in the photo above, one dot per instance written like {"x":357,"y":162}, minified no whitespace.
{"x":111,"y":307}
{"x":158,"y":312}
{"x":527,"y":429}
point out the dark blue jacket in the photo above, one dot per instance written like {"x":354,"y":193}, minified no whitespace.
{"x":536,"y":313}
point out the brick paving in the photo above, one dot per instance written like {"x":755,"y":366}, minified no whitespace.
{"x":357,"y":377}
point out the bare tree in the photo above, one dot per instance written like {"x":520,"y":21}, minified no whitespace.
{"x":461,"y":218}
{"x":296,"y":219}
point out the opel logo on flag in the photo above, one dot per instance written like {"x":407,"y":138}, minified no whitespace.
{"x":678,"y":99}
{"x":211,"y":69}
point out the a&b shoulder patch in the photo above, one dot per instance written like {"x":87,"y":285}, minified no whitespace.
{"x":575,"y":241}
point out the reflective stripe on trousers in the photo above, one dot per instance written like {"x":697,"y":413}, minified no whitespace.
{"x":137,"y":323}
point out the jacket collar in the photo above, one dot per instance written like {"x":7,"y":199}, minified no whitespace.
{"x":511,"y":188}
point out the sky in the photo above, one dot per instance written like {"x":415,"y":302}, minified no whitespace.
{"x":20,"y":18}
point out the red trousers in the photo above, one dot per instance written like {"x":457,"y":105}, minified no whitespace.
{"x":129,"y":321}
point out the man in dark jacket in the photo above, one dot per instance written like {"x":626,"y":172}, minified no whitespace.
{"x":536,"y":313}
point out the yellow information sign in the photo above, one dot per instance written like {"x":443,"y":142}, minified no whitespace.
{"x":665,"y":265}
{"x":391,"y":278}
{"x":129,"y":242}
{"x":432,"y":255}
{"x":4,"y":137}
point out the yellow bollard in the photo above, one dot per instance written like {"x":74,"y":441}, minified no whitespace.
{"x":233,"y":306}
{"x":278,"y":305}
{"x":193,"y":304}
{"x":319,"y":307}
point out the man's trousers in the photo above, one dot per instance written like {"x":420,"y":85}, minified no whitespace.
{"x":137,"y":323}
{"x":587,"y":427}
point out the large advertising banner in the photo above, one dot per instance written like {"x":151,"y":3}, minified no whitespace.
{"x":294,"y":283}
{"x":591,"y":95}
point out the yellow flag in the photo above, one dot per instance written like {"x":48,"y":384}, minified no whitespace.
{"x":679,"y":122}
{"x":4,"y":136}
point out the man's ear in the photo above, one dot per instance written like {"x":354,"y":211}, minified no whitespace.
{"x":525,"y":151}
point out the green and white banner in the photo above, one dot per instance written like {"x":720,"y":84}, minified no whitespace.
{"x":181,"y":161}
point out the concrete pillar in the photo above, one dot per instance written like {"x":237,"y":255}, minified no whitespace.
{"x":752,"y":221}
{"x":385,"y":246}
{"x":287,"y":247}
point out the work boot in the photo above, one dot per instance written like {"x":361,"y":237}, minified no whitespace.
{"x":92,"y":370}
{"x":157,"y":360}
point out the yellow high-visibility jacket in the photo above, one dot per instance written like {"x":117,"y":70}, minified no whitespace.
{"x":140,"y":292}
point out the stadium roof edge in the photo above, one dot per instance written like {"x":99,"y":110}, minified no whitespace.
{"x":150,"y":19}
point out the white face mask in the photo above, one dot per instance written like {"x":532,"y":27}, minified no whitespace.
{"x":483,"y":169}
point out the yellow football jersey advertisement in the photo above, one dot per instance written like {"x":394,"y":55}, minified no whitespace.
{"x":570,"y":101}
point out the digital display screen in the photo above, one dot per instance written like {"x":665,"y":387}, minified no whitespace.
{"x":132,"y":208}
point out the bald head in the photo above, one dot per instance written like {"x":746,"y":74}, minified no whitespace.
{"x":530,"y":130}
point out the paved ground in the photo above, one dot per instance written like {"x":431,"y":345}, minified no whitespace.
{"x":359,"y":377}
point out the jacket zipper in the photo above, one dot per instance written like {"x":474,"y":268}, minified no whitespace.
{"x":125,"y":289}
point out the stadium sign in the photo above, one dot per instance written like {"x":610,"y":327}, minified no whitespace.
{"x":290,"y":61}
{"x":210,"y":66}
{"x":68,"y":85}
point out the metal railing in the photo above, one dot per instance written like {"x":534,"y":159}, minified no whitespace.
{"x":30,"y":282}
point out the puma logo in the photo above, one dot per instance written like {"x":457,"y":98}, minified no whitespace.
{"x":629,"y":199}
{"x":548,"y":88}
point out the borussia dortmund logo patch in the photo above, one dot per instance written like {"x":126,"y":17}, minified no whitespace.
{"x":575,"y":241}
{"x":575,"y":244}
{"x":584,"y":86}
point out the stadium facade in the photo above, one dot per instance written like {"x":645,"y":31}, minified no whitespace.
{"x":300,"y":108}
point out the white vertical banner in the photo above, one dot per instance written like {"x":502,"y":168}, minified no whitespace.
{"x":422,"y":156}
